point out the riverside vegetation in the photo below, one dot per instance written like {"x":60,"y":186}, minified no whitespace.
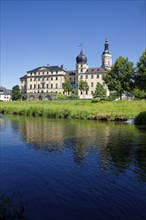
{"x":78,"y":109}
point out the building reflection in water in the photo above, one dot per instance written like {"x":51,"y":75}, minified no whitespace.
{"x":118,"y":147}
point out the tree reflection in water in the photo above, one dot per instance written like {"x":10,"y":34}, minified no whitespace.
{"x":118,"y":147}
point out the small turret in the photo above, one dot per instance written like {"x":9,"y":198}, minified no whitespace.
{"x":106,"y":56}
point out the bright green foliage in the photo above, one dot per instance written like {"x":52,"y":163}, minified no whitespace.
{"x":100,"y":92}
{"x":61,"y":96}
{"x":82,"y":109}
{"x":139,"y":94}
{"x":67,"y":87}
{"x":141,"y":73}
{"x":119,"y":78}
{"x":16,"y":94}
{"x":83,"y":86}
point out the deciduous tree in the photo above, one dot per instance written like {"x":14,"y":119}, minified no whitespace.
{"x":83,"y":86}
{"x":100,"y":91}
{"x":67,"y":87}
{"x":16,"y":93}
{"x":119,"y":78}
{"x":140,"y":78}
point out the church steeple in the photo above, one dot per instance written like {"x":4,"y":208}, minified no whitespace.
{"x":106,"y":47}
{"x":106,"y":56}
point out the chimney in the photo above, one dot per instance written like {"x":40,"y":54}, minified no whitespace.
{"x":48,"y":65}
{"x":62,"y":67}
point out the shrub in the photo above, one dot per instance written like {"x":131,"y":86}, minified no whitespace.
{"x":141,"y":118}
{"x":73,"y":96}
{"x":60,"y":96}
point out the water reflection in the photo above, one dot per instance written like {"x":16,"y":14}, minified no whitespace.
{"x":118,"y":147}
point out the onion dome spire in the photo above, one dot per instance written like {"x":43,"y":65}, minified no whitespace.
{"x":106,"y":47}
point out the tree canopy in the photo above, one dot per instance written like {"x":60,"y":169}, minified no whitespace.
{"x":67,"y":87}
{"x":140,"y":78}
{"x":100,"y":91}
{"x":119,"y":78}
{"x":16,"y":93}
{"x":83,"y":86}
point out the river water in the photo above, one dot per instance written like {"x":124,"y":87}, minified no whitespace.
{"x":78,"y":170}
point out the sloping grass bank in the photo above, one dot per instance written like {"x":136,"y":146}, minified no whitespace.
{"x":76,"y":109}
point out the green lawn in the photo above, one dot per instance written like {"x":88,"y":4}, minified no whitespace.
{"x":82,"y":109}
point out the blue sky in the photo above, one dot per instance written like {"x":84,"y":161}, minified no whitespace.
{"x":37,"y":33}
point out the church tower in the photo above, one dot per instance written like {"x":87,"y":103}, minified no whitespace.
{"x":106,"y":56}
{"x":81,"y":63}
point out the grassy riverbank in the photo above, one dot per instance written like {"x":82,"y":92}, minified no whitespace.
{"x":82,"y":109}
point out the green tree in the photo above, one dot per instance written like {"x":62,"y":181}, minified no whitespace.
{"x":67,"y":87}
{"x":100,"y":91}
{"x":83,"y":86}
{"x":119,"y":78}
{"x":139,"y":94}
{"x":140,"y":78}
{"x":16,"y":93}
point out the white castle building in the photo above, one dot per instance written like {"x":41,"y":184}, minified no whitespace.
{"x":42,"y":83}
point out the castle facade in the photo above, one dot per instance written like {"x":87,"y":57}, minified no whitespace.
{"x":42,"y":83}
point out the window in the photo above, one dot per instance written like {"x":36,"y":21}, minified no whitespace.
{"x":43,"y":85}
{"x":34,"y":79}
{"x":92,"y":76}
{"x":30,"y":79}
{"x":81,"y":77}
{"x":81,"y":92}
{"x":97,"y":76}
{"x":38,"y":79}
{"x":86,"y":76}
{"x":56,"y":85}
{"x":56,"y":72}
{"x":86,"y":92}
{"x":30,"y":86}
{"x":34,"y":86}
{"x":47,"y":86}
{"x":51,"y":78}
{"x":51,"y":86}
{"x":81,"y":65}
{"x":81,"y":70}
{"x":91,"y":84}
{"x":43,"y":73}
{"x":91,"y":92}
{"x":108,"y":62}
{"x":56,"y":78}
{"x":38,"y":86}
{"x":51,"y":72}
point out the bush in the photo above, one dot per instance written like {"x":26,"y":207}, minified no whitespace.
{"x":95,"y":100}
{"x":141,"y":118}
{"x":60,"y":96}
{"x":73,"y":96}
